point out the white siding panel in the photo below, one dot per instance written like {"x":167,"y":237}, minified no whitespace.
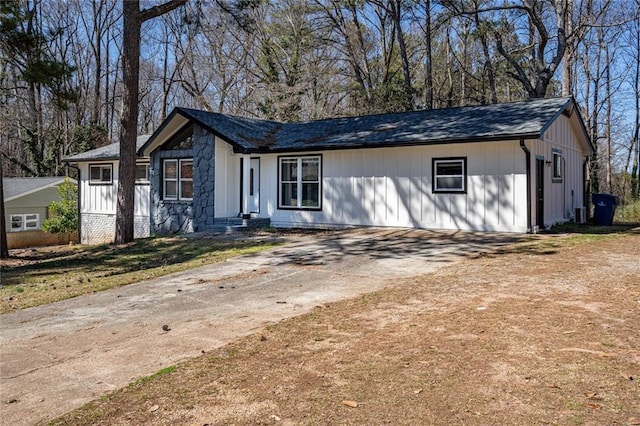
{"x":98,"y":207}
{"x":98,"y":198}
{"x":561,"y":198}
{"x":142,"y":198}
{"x":428,"y":199}
{"x":393,"y":187}
{"x":506,"y":184}
{"x":227,"y":180}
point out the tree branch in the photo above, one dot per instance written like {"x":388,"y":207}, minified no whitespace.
{"x":156,"y":11}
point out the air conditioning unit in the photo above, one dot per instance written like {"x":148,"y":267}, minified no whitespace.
{"x":581,"y":215}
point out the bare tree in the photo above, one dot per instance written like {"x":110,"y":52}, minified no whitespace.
{"x":133,"y":19}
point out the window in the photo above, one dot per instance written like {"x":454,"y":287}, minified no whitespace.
{"x":142,"y":173}
{"x":25,"y":222}
{"x":299,"y":182}
{"x":101,"y":174}
{"x":557,"y":165}
{"x":178,"y":179}
{"x":450,"y":175}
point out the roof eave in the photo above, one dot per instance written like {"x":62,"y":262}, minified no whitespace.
{"x":33,"y":191}
{"x":571,"y":103}
{"x":149,"y":146}
{"x":392,"y":144}
{"x":84,"y":160}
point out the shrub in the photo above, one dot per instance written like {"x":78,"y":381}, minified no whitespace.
{"x":64,"y":212}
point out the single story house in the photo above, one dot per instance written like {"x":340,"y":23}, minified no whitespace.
{"x":510,"y":167}
{"x":26,"y":202}
{"x":98,"y":191}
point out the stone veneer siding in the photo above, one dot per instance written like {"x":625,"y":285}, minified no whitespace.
{"x":178,"y":216}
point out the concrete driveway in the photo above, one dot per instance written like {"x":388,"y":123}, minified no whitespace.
{"x":54,"y":358}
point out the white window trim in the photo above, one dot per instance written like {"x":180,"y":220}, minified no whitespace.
{"x":165,"y":179}
{"x":556,"y":164}
{"x":183,"y":179}
{"x":24,"y":221}
{"x":457,"y":160}
{"x":100,"y":181}
{"x":178,"y":179}
{"x":146,"y":179}
{"x":299,"y":182}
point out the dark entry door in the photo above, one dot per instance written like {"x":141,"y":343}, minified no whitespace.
{"x":540,"y":192}
{"x":254,"y":185}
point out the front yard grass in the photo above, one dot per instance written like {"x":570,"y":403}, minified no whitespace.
{"x":36,"y":277}
{"x":532,"y":335}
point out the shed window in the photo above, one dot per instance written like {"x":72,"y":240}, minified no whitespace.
{"x":557,"y":165}
{"x":178,"y":179}
{"x":450,"y":175}
{"x":101,"y":174}
{"x":299,"y":182}
{"x":25,"y":222}
{"x":142,"y":173}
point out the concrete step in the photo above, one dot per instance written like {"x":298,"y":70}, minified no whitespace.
{"x":237,"y":224}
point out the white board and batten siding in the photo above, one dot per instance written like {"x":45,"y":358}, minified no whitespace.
{"x":393,"y":187}
{"x":227,"y":180}
{"x":98,"y":207}
{"x":561,"y":198}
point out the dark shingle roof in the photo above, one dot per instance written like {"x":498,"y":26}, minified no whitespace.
{"x":472,"y":123}
{"x":107,"y":152}
{"x":18,"y":187}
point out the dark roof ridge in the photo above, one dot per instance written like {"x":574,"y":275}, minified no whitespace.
{"x":229,"y":116}
{"x":366,"y":116}
{"x":434,"y":110}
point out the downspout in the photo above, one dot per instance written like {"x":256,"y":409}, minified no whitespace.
{"x":586,"y":187}
{"x":564,"y":191}
{"x":70,"y":166}
{"x":527,"y":156}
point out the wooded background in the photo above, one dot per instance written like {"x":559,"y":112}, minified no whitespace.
{"x":61,"y":67}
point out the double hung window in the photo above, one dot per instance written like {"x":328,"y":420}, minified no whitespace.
{"x":299,"y":182}
{"x":178,"y":179}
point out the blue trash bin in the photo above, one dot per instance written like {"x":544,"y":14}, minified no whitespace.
{"x":604,"y":208}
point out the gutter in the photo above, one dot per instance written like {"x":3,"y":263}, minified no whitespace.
{"x":374,"y":145}
{"x":527,"y":155}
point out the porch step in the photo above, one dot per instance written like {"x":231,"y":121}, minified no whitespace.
{"x":229,"y":225}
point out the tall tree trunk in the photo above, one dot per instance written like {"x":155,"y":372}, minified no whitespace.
{"x":607,"y":126}
{"x":635,"y":144}
{"x":4,"y":247}
{"x":488,"y":64}
{"x":396,"y":7}
{"x":107,"y":74}
{"x":428,"y":57}
{"x":133,"y":18}
{"x":595,"y":126}
{"x":97,"y":50}
{"x":129,"y":121}
{"x":569,"y":53}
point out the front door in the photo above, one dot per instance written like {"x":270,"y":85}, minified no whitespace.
{"x":254,"y":185}
{"x":540,"y":192}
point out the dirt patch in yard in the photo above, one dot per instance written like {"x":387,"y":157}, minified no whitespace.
{"x":546,"y":332}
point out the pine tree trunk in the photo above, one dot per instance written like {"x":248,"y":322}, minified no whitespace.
{"x":129,"y":121}
{"x":4,"y":247}
{"x":428,"y":62}
{"x":132,"y":18}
